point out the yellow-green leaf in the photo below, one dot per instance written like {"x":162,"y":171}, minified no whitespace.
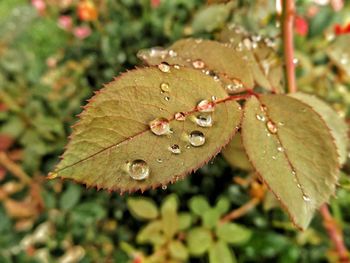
{"x":170,"y":219}
{"x":178,"y":250}
{"x":336,"y":124}
{"x":292,"y":149}
{"x":220,"y":253}
{"x":199,"y":240}
{"x":233,"y":233}
{"x":143,"y":208}
{"x":113,"y":147}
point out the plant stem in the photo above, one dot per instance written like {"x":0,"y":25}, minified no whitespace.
{"x":288,"y":45}
{"x":334,"y":231}
{"x":15,"y":169}
{"x":241,"y":211}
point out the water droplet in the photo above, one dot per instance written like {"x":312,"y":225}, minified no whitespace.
{"x":52,"y":175}
{"x":344,"y":59}
{"x":180,"y":116}
{"x":159,"y":160}
{"x":196,"y":138}
{"x":274,"y":157}
{"x":204,"y":120}
{"x":280,"y":123}
{"x":175,"y":149}
{"x":234,"y":87}
{"x":164,"y":67}
{"x":176,"y":66}
{"x":160,"y":126}
{"x":295,"y":61}
{"x":271,"y":127}
{"x":299,"y":186}
{"x":247,"y":43}
{"x":294,"y":172}
{"x":206,"y":106}
{"x":172,"y":53}
{"x":138,"y":169}
{"x":213,"y":98}
{"x":280,"y":149}
{"x":164,"y":187}
{"x":306,"y":198}
{"x":260,"y":117}
{"x":198,"y":64}
{"x":164,"y":87}
{"x":188,"y":146}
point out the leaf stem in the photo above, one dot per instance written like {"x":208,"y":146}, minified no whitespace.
{"x":15,"y":169}
{"x":241,"y":211}
{"x":288,"y":45}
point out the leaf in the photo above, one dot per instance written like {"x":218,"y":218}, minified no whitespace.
{"x":336,"y":124}
{"x":151,"y":233}
{"x":142,"y":208}
{"x":178,"y":250}
{"x":113,"y":135}
{"x":199,"y":205}
{"x":220,"y":253}
{"x":198,"y":241}
{"x":292,"y":149}
{"x":339,"y":52}
{"x":210,"y":18}
{"x":222,"y":205}
{"x":210,"y":56}
{"x":211,"y":217}
{"x":233,"y":233}
{"x":170,"y":219}
{"x":270,"y":201}
{"x":70,"y":197}
{"x":235,"y":154}
{"x":185,"y":221}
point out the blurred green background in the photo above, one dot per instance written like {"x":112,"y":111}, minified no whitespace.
{"x":55,"y":53}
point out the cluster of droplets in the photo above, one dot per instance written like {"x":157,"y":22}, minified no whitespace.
{"x":156,"y":52}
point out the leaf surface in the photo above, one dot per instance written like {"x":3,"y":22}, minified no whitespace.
{"x":114,"y":130}
{"x":292,"y":149}
{"x":143,"y":208}
{"x":220,"y":253}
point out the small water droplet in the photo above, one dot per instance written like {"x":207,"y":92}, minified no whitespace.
{"x":260,"y":117}
{"x":280,"y":149}
{"x":180,"y":116}
{"x":274,"y":157}
{"x":176,"y":66}
{"x":206,"y":106}
{"x":188,"y":146}
{"x":164,"y":67}
{"x":280,"y":123}
{"x":172,"y":53}
{"x":165,"y":87}
{"x":196,"y":138}
{"x":159,"y":160}
{"x":271,"y":127}
{"x":306,"y":198}
{"x":294,"y":172}
{"x":213,"y":98}
{"x":204,"y":120}
{"x":138,"y":169}
{"x":167,"y":98}
{"x":344,"y":59}
{"x":164,"y":187}
{"x":234,"y":87}
{"x":295,"y":61}
{"x":175,"y":149}
{"x":247,"y":43}
{"x":160,"y":126}
{"x":299,"y":186}
{"x":198,"y":64}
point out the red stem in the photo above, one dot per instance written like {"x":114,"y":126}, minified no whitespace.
{"x":334,"y":231}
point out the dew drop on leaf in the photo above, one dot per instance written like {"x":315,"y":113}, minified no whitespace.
{"x":196,"y":138}
{"x":164,"y":187}
{"x":280,"y":123}
{"x":138,"y":169}
{"x":159,"y":160}
{"x":180,"y":116}
{"x":306,"y":198}
{"x":164,"y":87}
{"x":271,"y":127}
{"x":344,"y":59}
{"x":198,"y":64}
{"x":164,"y":67}
{"x":204,"y":120}
{"x":233,"y":87}
{"x":206,"y":106}
{"x":160,"y":126}
{"x":280,"y":149}
{"x":175,"y":149}
{"x":172,"y":53}
{"x":167,"y":98}
{"x":260,"y":117}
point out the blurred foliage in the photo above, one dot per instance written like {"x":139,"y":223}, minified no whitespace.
{"x":54,"y":54}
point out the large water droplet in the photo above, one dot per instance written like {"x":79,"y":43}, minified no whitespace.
{"x":204,"y":120}
{"x":198,"y":64}
{"x":160,"y":126}
{"x":175,"y":149}
{"x":180,"y":116}
{"x":271,"y":127}
{"x":164,"y":67}
{"x":260,"y":117}
{"x":196,"y":138}
{"x":138,"y":169}
{"x":206,"y":106}
{"x":165,"y":87}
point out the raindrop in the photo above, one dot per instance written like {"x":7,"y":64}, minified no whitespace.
{"x":164,"y":67}
{"x":280,"y":123}
{"x":295,"y":61}
{"x":165,"y":87}
{"x":196,"y":138}
{"x":188,"y":146}
{"x":294,"y":172}
{"x":160,"y":126}
{"x":306,"y":198}
{"x":138,"y":169}
{"x":280,"y":149}
{"x":159,"y":160}
{"x":158,"y":52}
{"x":180,"y":116}
{"x":198,"y":64}
{"x":271,"y":127}
{"x":213,"y":98}
{"x":235,"y":86}
{"x":176,"y":66}
{"x":204,"y":120}
{"x":274,"y":157}
{"x":247,"y":43}
{"x":175,"y":149}
{"x":167,"y":98}
{"x":260,"y":117}
{"x":164,"y":187}
{"x":206,"y":106}
{"x":172,"y":53}
{"x":344,"y":59}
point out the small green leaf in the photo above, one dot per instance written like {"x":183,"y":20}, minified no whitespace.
{"x":198,"y":241}
{"x":199,"y":205}
{"x":185,"y":221}
{"x":291,"y":148}
{"x":211,"y":217}
{"x":233,"y":233}
{"x":235,"y":154}
{"x":151,"y":233}
{"x":113,"y":146}
{"x":70,"y":197}
{"x":178,"y":250}
{"x":339,"y":52}
{"x":142,"y":208}
{"x":170,"y":220}
{"x":337,"y":125}
{"x":222,"y":205}
{"x":221,"y":253}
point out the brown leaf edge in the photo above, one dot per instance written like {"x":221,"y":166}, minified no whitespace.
{"x":283,"y":205}
{"x":55,"y":173}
